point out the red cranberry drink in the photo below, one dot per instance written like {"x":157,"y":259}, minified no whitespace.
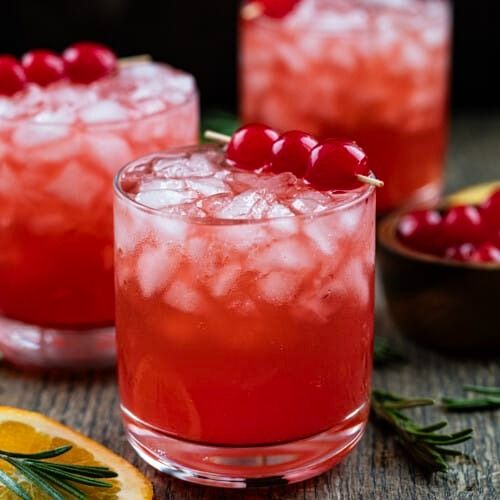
{"x":376,"y":71}
{"x":245,"y":307}
{"x":66,"y":126}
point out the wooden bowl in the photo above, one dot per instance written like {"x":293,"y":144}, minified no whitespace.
{"x":440,"y":303}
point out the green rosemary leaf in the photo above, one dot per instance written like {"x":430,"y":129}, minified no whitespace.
{"x":12,"y":486}
{"x":38,"y":456}
{"x":82,"y":470}
{"x":68,"y":476}
{"x":491,"y":401}
{"x":68,"y":488}
{"x":482,"y":389}
{"x":422,"y":443}
{"x":35,"y":479}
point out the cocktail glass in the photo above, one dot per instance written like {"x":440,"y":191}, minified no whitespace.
{"x":244,"y":319}
{"x":60,"y":147}
{"x":373,"y":71}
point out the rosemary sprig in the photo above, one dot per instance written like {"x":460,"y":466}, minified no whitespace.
{"x":425,"y":445}
{"x":490,"y":401}
{"x":384,"y":353}
{"x":52,"y":478}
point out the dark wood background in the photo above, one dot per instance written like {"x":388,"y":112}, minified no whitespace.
{"x":376,"y":469}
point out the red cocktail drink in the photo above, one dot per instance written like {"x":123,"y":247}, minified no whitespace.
{"x":60,"y":147}
{"x":373,"y":71}
{"x":244,"y":318}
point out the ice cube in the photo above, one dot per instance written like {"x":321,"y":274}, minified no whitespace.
{"x":310,"y":202}
{"x":278,"y":287}
{"x":104,"y":111}
{"x":109,"y":151}
{"x":155,"y":267}
{"x":208,"y":186}
{"x":323,"y":234}
{"x":242,"y":237}
{"x":31,"y":135}
{"x":289,"y":254}
{"x":165,"y":197}
{"x":63,"y":115}
{"x":183,"y":297}
{"x":167,"y":229}
{"x":248,"y":205}
{"x":76,"y":185}
{"x":158,"y":184}
{"x":225,"y":280}
{"x":182,"y":168}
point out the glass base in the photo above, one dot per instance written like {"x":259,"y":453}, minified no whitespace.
{"x":245,"y":467}
{"x":36,"y":347}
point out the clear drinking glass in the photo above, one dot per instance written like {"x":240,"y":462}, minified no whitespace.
{"x":244,"y":344}
{"x":376,"y":71}
{"x":60,"y":148}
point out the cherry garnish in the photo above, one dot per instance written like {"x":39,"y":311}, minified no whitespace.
{"x":462,"y":253}
{"x":278,"y":8}
{"x":463,"y":223}
{"x":334,"y":164}
{"x":487,"y":252}
{"x":89,"y":61}
{"x":491,"y":211}
{"x":43,"y":67}
{"x":12,"y":76}
{"x":291,"y":152}
{"x":420,"y":230}
{"x":250,"y":147}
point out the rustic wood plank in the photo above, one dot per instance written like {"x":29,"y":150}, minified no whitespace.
{"x":377,"y":468}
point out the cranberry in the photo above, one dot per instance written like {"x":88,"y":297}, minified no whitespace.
{"x":43,"y":67}
{"x":491,"y":211}
{"x":487,"y":252}
{"x":334,"y":164}
{"x":276,"y":8}
{"x":291,"y":152}
{"x":462,"y":253}
{"x":251,"y":146}
{"x":12,"y":76}
{"x":89,"y":61}
{"x":420,"y":230}
{"x":463,"y":223}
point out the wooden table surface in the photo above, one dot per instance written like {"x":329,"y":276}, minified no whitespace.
{"x":377,"y":468}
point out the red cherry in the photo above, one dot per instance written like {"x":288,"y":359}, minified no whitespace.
{"x":43,"y":67}
{"x":251,"y":146}
{"x":277,"y":8}
{"x":490,"y":211}
{"x":462,"y":253}
{"x":89,"y":61}
{"x":420,"y":230}
{"x":463,"y":223}
{"x":12,"y":76}
{"x":487,"y":252}
{"x":334,"y":164}
{"x":291,"y":152}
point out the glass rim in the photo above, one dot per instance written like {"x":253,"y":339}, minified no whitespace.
{"x":191,"y":96}
{"x":364,"y":192}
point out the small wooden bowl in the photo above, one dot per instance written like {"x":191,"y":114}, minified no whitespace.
{"x":448,"y":305}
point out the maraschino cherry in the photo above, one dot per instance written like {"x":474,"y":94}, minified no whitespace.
{"x":487,"y":252}
{"x":250,"y":147}
{"x":334,"y":164}
{"x":12,"y":76}
{"x":490,"y":211}
{"x":89,"y":61}
{"x":462,"y":253}
{"x":420,"y":230}
{"x":463,"y":223}
{"x":272,"y":8}
{"x":291,"y":152}
{"x":43,"y":67}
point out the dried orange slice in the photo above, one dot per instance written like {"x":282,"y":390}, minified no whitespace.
{"x":473,"y":195}
{"x":29,"y":432}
